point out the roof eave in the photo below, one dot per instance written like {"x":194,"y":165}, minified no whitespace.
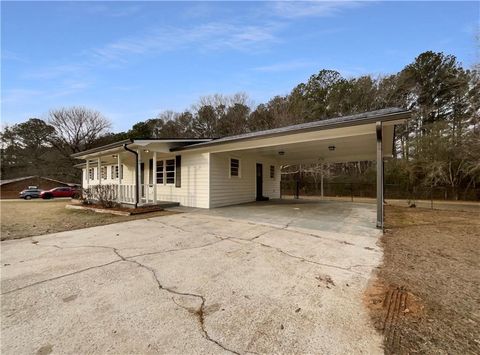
{"x":401,"y":116}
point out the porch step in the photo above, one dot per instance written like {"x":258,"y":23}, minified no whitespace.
{"x":162,"y":204}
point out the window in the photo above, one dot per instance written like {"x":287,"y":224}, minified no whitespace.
{"x":234,"y":167}
{"x":160,"y":172}
{"x":272,"y":172}
{"x":170,"y":171}
{"x":103,"y":172}
{"x":114,"y":172}
{"x":91,"y":173}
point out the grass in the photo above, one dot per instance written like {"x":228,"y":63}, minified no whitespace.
{"x":22,"y":219}
{"x":434,"y":258}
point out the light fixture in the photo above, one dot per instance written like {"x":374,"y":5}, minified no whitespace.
{"x":331,"y":148}
{"x":114,"y":156}
{"x":281,"y":152}
{"x":146,"y":151}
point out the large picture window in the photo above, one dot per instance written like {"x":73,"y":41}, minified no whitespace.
{"x":234,"y":167}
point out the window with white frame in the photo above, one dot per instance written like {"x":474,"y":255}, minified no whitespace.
{"x":234,"y":167}
{"x":160,"y":172}
{"x":170,"y":171}
{"x":103,"y":172}
{"x":272,"y":172}
{"x":114,"y":172}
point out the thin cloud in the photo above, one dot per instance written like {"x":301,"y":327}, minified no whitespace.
{"x":210,"y":36}
{"x":297,"y":9}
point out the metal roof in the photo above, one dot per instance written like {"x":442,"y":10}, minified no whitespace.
{"x":388,"y":114}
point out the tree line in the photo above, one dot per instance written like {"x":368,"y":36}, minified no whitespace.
{"x":440,"y":145}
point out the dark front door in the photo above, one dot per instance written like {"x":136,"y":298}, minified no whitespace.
{"x":259,"y":182}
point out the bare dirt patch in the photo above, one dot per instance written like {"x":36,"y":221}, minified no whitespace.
{"x":21,"y":219}
{"x":425,"y":298}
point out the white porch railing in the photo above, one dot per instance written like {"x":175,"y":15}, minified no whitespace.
{"x":126,"y":193}
{"x":147,"y":193}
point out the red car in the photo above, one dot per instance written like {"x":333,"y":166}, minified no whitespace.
{"x":59,"y":192}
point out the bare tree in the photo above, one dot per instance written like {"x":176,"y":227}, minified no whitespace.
{"x":77,"y":128}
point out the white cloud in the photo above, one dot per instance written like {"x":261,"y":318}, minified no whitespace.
{"x":297,"y":9}
{"x":210,"y":36}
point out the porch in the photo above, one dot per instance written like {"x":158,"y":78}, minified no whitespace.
{"x":149,"y":174}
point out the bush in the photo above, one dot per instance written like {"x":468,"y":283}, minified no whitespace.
{"x":104,"y":195}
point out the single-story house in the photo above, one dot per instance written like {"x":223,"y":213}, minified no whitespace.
{"x":209,"y":173}
{"x":11,"y":188}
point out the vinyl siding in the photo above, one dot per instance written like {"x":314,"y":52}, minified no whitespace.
{"x":226,"y":190}
{"x":195,"y":177}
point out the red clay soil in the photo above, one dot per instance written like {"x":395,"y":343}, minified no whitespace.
{"x":426,"y":295}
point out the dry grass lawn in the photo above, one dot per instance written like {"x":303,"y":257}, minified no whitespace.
{"x":21,"y":219}
{"x":426,"y":296}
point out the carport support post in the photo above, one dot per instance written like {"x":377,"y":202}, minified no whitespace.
{"x":379,"y":175}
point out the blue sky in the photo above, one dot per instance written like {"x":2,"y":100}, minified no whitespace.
{"x":133,"y":60}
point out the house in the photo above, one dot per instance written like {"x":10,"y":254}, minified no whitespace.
{"x":11,"y":188}
{"x":209,"y":173}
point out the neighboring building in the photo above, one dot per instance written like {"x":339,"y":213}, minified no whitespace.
{"x":11,"y":188}
{"x":210,"y":173}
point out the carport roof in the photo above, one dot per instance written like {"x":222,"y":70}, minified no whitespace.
{"x":383,"y":115}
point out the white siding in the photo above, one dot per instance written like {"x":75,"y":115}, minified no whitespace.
{"x":226,"y":190}
{"x":195,"y":177}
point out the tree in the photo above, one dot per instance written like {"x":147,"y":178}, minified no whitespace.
{"x":77,"y":128}
{"x":24,"y":148}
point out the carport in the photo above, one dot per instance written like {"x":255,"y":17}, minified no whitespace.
{"x":363,"y":137}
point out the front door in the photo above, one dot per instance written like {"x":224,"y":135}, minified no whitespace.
{"x":259,"y":182}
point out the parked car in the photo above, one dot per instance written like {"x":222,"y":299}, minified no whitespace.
{"x":30,"y":193}
{"x":59,"y":192}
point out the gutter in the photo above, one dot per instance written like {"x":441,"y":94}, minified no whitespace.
{"x":137,"y":175}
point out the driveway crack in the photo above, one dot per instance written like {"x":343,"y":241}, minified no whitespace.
{"x":200,"y":312}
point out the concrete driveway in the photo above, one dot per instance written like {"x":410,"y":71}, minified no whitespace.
{"x":189,"y":283}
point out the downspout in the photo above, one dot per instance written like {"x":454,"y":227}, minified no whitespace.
{"x":137,"y":177}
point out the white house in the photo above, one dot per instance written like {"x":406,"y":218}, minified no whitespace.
{"x":209,"y":173}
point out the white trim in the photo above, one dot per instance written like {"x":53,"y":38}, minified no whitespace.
{"x":239,"y":176}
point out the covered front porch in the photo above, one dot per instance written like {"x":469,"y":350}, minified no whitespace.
{"x":139,"y":174}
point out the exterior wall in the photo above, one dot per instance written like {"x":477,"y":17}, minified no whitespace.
{"x":193,"y":191}
{"x":205,"y":179}
{"x":128,"y":175}
{"x":226,"y":190}
{"x":194,"y":182}
{"x":11,"y":190}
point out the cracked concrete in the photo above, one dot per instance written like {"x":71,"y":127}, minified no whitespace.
{"x":189,"y":283}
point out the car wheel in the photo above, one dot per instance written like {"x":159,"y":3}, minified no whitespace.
{"x":47,"y":197}
{"x":28,"y":197}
